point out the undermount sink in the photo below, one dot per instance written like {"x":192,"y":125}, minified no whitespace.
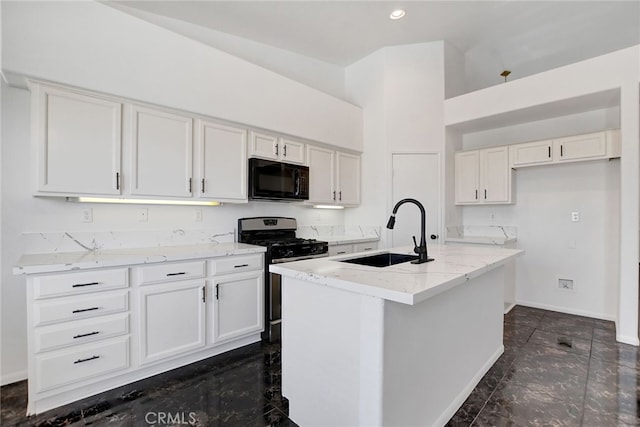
{"x":381,"y":260}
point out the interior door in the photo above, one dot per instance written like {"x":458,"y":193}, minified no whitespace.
{"x":417,"y":176}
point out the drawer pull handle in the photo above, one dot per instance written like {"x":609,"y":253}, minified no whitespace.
{"x":86,"y":335}
{"x":341,"y":252}
{"x":79,"y":285}
{"x":82,"y":310}
{"x":176,"y":274}
{"x":87,"y":359}
{"x":241,"y":265}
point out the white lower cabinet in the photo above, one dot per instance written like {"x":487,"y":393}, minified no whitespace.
{"x":94,"y":330}
{"x":172,"y":319}
{"x":238,"y":305}
{"x":350,"y":248}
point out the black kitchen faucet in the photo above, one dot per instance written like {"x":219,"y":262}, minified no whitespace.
{"x":421,"y":249}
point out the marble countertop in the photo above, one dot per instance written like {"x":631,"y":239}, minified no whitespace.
{"x":404,"y":283}
{"x":67,"y":261}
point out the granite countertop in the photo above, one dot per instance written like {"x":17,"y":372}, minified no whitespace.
{"x":404,"y":283}
{"x":68,"y":261}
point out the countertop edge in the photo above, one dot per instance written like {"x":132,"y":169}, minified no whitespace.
{"x":121,"y":258}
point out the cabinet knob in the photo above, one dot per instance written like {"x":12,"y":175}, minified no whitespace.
{"x":434,"y":236}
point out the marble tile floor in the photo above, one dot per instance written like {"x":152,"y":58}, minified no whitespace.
{"x":557,"y":370}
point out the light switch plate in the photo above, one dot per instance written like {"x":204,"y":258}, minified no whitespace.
{"x":143,"y":214}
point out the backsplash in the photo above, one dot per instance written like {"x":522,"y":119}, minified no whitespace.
{"x":331,"y":232}
{"x":499,"y":231}
{"x":72,"y":241}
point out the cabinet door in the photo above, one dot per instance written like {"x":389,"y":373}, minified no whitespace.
{"x":321,"y":175}
{"x":348,"y":167}
{"x":78,"y":141}
{"x":467,"y":177}
{"x":291,"y":151}
{"x":496,"y":175}
{"x":238,"y":305}
{"x":592,"y":145}
{"x":223,"y":162}
{"x":531,"y":153}
{"x":263,"y":145}
{"x":172,"y":319}
{"x":161,"y":157}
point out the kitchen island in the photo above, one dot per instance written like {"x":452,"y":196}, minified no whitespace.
{"x":398,"y":345}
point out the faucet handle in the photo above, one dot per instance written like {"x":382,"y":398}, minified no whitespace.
{"x":415,"y":245}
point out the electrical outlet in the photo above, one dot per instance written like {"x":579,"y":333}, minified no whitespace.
{"x":198,"y":217}
{"x":492,"y":216}
{"x":143,"y":214}
{"x":575,"y":216}
{"x":566,"y":284}
{"x":86,"y":215}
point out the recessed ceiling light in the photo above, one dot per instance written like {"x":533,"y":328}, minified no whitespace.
{"x":397,"y":14}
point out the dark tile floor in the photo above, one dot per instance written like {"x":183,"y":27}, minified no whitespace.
{"x":557,"y":370}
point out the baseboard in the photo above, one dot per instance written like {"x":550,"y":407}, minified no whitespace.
{"x":567,"y":310}
{"x":628,"y":340}
{"x":13,"y":377}
{"x":459,"y":400}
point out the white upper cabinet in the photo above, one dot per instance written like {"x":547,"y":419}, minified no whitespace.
{"x":483,"y":176}
{"x":272,"y":147}
{"x":321,"y":175}
{"x":531,"y":153}
{"x":291,"y":151}
{"x":581,"y":146}
{"x":161,"y":154}
{"x":78,"y":142}
{"x":590,"y":146}
{"x":348,"y":178}
{"x":467,"y":176}
{"x":495,"y":175}
{"x":223,"y":162}
{"x":334,"y":177}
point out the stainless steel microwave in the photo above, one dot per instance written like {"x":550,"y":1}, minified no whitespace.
{"x":270,"y":180}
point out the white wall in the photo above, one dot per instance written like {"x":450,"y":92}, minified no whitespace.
{"x":586,"y":251}
{"x":93,"y":46}
{"x":401,"y":90}
{"x":328,"y":78}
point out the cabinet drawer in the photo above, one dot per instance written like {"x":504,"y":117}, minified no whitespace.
{"x":82,"y":282}
{"x":236,"y":264}
{"x":79,"y":307}
{"x":55,"y":369}
{"x":366,"y":246}
{"x":340,"y":249}
{"x":80,"y":332}
{"x":171,"y":272}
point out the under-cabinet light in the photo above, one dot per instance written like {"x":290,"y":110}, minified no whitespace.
{"x":143,"y":201}
{"x":327,"y":207}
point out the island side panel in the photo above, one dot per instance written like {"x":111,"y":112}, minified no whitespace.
{"x":437,"y":351}
{"x":331,"y":355}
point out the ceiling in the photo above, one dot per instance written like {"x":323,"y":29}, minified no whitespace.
{"x":525,"y":37}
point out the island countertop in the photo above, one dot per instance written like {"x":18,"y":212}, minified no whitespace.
{"x":404,"y":283}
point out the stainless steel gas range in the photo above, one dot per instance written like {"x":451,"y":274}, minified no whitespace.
{"x":278,"y":235}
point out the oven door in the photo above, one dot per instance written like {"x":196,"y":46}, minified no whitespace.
{"x":277,"y":181}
